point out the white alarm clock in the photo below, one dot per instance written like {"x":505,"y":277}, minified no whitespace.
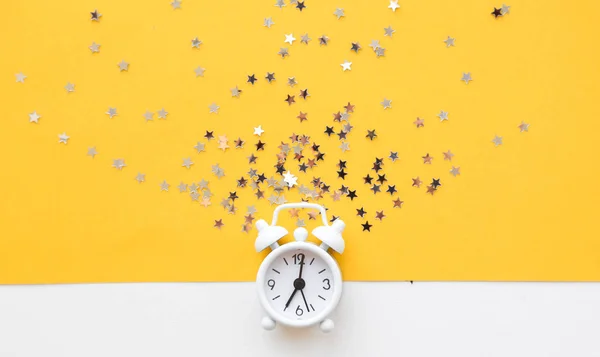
{"x":299,"y":283}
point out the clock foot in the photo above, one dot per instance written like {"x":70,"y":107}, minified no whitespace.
{"x":326,"y":326}
{"x":267,"y":323}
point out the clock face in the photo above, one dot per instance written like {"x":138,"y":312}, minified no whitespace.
{"x":299,"y":284}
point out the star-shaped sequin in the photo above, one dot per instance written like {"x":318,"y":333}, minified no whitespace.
{"x":346,"y":66}
{"x":523,"y":127}
{"x":497,"y":140}
{"x":199,"y":71}
{"x":443,"y":116}
{"x":63,"y":138}
{"x":140,"y":177}
{"x":455,"y":171}
{"x":386,"y":103}
{"x":94,"y":47}
{"x":339,"y":13}
{"x":196,"y":42}
{"x":92,"y":152}
{"x":449,"y":41}
{"x":118,"y":164}
{"x":34,"y":117}
{"x":466,"y":77}
{"x":213,"y":108}
{"x":123,"y":66}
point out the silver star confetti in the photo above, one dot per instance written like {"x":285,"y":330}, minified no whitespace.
{"x":388,"y":31}
{"x":280,"y":3}
{"x":292,"y":81}
{"x":258,"y":130}
{"x":187,"y":163}
{"x":164,"y":186}
{"x":92,"y":152}
{"x":176,"y":4}
{"x":70,"y":87}
{"x":505,"y":9}
{"x":290,"y":39}
{"x":497,"y":140}
{"x":182,"y":187}
{"x":214,"y":108}
{"x":196,"y":43}
{"x":111,"y":112}
{"x":34,"y":117}
{"x":123,"y":66}
{"x":140,"y":177}
{"x":339,"y":13}
{"x":162,"y":114}
{"x":387,"y":103}
{"x":290,"y":179}
{"x":63,"y":138}
{"x":235,"y":92}
{"x":94,"y":47}
{"x":268,"y":22}
{"x":199,"y":71}
{"x":148,"y":116}
{"x":523,"y":127}
{"x":346,"y":66}
{"x":393,"y":5}
{"x":304,"y":39}
{"x":199,"y":147}
{"x":455,"y":171}
{"x":449,"y":41}
{"x":20,"y":77}
{"x":345,"y":146}
{"x":283,"y":52}
{"x":466,"y":77}
{"x":118,"y":164}
{"x":443,"y":116}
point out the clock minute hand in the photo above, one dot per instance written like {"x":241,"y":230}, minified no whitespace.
{"x":301,"y":266}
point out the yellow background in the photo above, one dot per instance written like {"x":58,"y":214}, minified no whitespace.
{"x":526,"y":210}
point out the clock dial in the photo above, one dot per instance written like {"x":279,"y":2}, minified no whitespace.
{"x":299,"y":284}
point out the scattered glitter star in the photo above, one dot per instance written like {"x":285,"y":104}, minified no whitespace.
{"x":214,"y":108}
{"x":70,"y":87}
{"x":199,"y":147}
{"x":388,"y":31}
{"x":162,"y":114}
{"x":346,"y":66}
{"x":379,"y":215}
{"x":258,"y":130}
{"x":355,"y":47}
{"x":443,"y":116}
{"x":497,"y":140}
{"x":431,"y":190}
{"x":111,"y":112}
{"x":199,"y":71}
{"x":270,"y":77}
{"x":371,"y":134}
{"x":435,"y":183}
{"x":505,"y":9}
{"x":393,"y":156}
{"x":280,"y":3}
{"x":123,"y":66}
{"x":419,"y":122}
{"x":449,"y":41}
{"x":94,"y":47}
{"x":196,"y":42}
{"x":290,"y":179}
{"x":393,"y":5}
{"x":92,"y":152}
{"x":251,"y":79}
{"x":268,"y":22}
{"x":283,"y":52}
{"x":34,"y":117}
{"x":497,"y":13}
{"x":219,"y":223}
{"x":417,"y":182}
{"x":63,"y":138}
{"x":366,"y":226}
{"x":300,"y":5}
{"x":455,"y":171}
{"x":397,"y":203}
{"x":95,"y":15}
{"x":235,"y":92}
{"x":148,"y":115}
{"x":290,"y":99}
{"x":118,"y":164}
{"x":302,"y":117}
{"x":164,"y":186}
{"x":339,"y":13}
{"x":176,"y":4}
{"x":140,"y":177}
{"x":20,"y":77}
{"x":323,"y":40}
{"x":187,"y":163}
{"x":523,"y":127}
{"x":304,"y":39}
{"x":292,"y":82}
{"x":182,"y":187}
{"x":427,"y":159}
{"x":448,"y":155}
{"x":345,"y":146}
{"x":466,"y":77}
{"x":290,"y":39}
{"x":386,"y":103}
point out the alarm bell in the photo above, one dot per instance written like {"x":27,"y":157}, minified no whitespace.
{"x":268,"y":235}
{"x":331,"y":236}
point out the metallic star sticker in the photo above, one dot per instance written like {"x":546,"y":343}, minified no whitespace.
{"x":505,"y":9}
{"x":523,"y":127}
{"x":300,"y":223}
{"x":397,"y":203}
{"x":182,"y":187}
{"x":455,"y":171}
{"x":203,"y":184}
{"x":466,"y":77}
{"x":140,"y":177}
{"x":443,"y":116}
{"x":148,"y":116}
{"x":290,"y":38}
{"x":164,"y":186}
{"x":123,"y":66}
{"x":449,"y":41}
{"x":304,"y":39}
{"x":63,"y":138}
{"x":290,"y":179}
{"x":280,"y":3}
{"x":292,"y":81}
{"x":92,"y":152}
{"x":419,"y":122}
{"x":118,"y":164}
{"x":388,"y":31}
{"x":111,"y":112}
{"x":339,"y":13}
{"x":497,"y":140}
{"x":214,"y":108}
{"x":94,"y":47}
{"x":393,"y":5}
{"x":283,"y":52}
{"x":427,"y":159}
{"x":187,"y":163}
{"x":448,"y":155}
{"x":268,"y":22}
{"x":70,"y":87}
{"x":235,"y":92}
{"x":162,"y":114}
{"x":387,"y":103}
{"x":258,"y":130}
{"x":375,"y":44}
{"x":196,"y":42}
{"x":345,"y":146}
{"x":380,"y":51}
{"x":95,"y":15}
{"x":346,"y":66}
{"x":34,"y":117}
{"x":199,"y":71}
{"x":20,"y":77}
{"x":199,"y":147}
{"x":323,"y":40}
{"x":393,"y":156}
{"x":176,"y":4}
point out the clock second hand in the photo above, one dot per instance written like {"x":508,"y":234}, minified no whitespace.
{"x":304,"y":298}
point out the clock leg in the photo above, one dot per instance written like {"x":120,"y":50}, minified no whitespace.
{"x":267,"y":323}
{"x":326,"y":325}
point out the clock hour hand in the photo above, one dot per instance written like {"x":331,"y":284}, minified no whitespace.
{"x":305,"y":303}
{"x":290,"y":299}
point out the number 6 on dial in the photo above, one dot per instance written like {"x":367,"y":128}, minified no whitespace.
{"x":299,"y":283}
